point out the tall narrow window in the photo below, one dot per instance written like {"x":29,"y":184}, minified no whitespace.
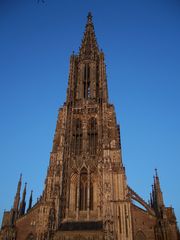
{"x":75,"y":198}
{"x":86,"y":81}
{"x":92,"y":136}
{"x":73,"y":192}
{"x":83,"y":190}
{"x":91,"y":196}
{"x":77,"y":137}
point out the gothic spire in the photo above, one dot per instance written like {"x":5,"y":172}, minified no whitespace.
{"x":157,"y":196}
{"x":15,"y":208}
{"x":17,"y":196}
{"x":23,"y":202}
{"x":158,"y":190}
{"x":30,"y":201}
{"x":89,"y":46}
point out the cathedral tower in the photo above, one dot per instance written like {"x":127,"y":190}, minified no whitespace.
{"x":86,"y":155}
{"x":86,"y":196}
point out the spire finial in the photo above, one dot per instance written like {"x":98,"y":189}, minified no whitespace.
{"x":17,"y":196}
{"x":89,"y":17}
{"x":156,"y":172}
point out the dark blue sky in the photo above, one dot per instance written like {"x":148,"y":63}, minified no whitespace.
{"x":141,"y":42}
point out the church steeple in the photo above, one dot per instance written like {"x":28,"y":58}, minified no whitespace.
{"x":88,"y":135}
{"x":89,"y":47}
{"x":86,"y":195}
{"x":87,"y":78}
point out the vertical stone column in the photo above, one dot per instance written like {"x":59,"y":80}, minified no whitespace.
{"x":78,"y":195}
{"x":88,"y":195}
{"x":67,"y":197}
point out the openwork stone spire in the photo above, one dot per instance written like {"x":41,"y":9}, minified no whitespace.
{"x":87,"y":76}
{"x":89,"y":46}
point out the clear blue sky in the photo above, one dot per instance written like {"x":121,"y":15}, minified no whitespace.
{"x":141,"y":42}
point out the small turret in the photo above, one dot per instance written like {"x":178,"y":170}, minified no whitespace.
{"x":157,"y":202}
{"x":17,"y":196}
{"x":23,"y":202}
{"x":166,"y":219}
{"x":151,"y":200}
{"x":158,"y":191}
{"x":30,"y":202}
{"x":15,"y":208}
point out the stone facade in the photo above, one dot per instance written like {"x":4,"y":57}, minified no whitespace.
{"x":86,"y":195}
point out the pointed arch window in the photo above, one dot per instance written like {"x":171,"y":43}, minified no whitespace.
{"x":77,"y":137}
{"x":73,"y":191}
{"x":83,"y":190}
{"x":86,"y":81}
{"x":92,"y":136}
